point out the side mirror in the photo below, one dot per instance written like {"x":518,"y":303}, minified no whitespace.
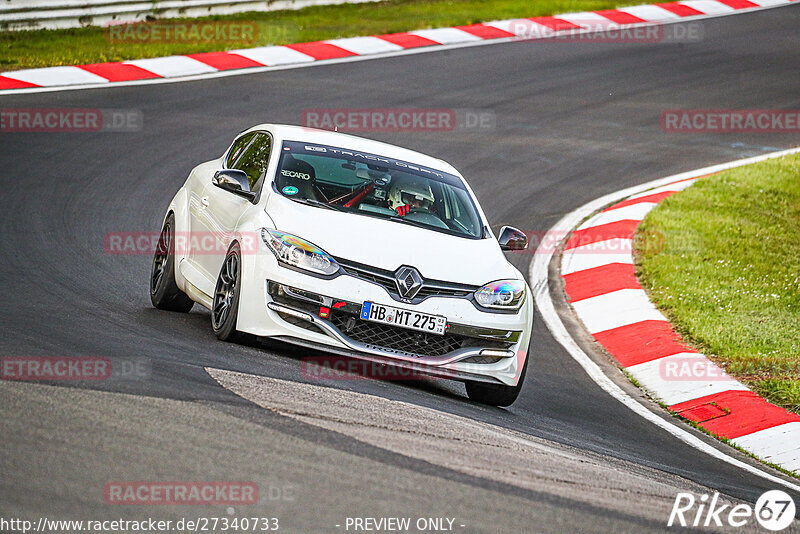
{"x":234,"y":181}
{"x":512,"y":239}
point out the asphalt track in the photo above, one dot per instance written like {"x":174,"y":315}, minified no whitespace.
{"x":574,"y":121}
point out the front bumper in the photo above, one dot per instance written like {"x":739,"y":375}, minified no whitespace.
{"x":290,"y":310}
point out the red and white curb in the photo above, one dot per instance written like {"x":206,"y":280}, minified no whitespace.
{"x":601,"y":285}
{"x":203,"y":65}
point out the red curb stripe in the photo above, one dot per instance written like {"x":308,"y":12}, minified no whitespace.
{"x":11,"y":83}
{"x":600,"y":281}
{"x":747,"y":413}
{"x":118,"y":72}
{"x":738,"y":4}
{"x":680,"y":9}
{"x":407,"y":40}
{"x":620,"y":17}
{"x":642,"y":342}
{"x":485,"y":32}
{"x":321,"y":50}
{"x":595,"y":234}
{"x":225,"y":60}
{"x":654,"y":198}
{"x":554,"y":23}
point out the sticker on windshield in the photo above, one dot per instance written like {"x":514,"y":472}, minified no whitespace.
{"x":290,"y":190}
{"x":296,"y":174}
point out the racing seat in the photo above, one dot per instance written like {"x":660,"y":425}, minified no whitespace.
{"x":306,"y":188}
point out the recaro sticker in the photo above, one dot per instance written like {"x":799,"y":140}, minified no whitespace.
{"x":295,"y":174}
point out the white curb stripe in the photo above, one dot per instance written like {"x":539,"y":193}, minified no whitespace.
{"x":672,"y":188}
{"x":446,"y":35}
{"x":769,"y":3}
{"x":172,"y":66}
{"x":657,"y":377}
{"x":616,"y":309}
{"x":53,"y":76}
{"x":588,"y":19}
{"x":634,"y":212}
{"x":274,"y":55}
{"x":649,"y":13}
{"x":709,"y":7}
{"x":365,"y":45}
{"x":779,"y":445}
{"x":596,"y":255}
{"x":539,"y":280}
{"x":523,"y":28}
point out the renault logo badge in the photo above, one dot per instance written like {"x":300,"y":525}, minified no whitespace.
{"x":408,"y":282}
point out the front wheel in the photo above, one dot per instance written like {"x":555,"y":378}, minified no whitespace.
{"x":225,"y":307}
{"x":496,"y":394}
{"x":164,"y":291}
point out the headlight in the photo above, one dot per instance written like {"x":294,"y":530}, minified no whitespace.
{"x":297,"y":252}
{"x":502,"y":294}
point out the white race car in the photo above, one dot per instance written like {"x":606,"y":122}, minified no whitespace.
{"x":351,"y":246}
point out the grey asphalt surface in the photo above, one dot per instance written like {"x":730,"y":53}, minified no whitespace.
{"x":573,"y":121}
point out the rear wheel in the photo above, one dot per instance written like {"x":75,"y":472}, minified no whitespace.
{"x":496,"y":394}
{"x":225,"y":307}
{"x":164,"y":291}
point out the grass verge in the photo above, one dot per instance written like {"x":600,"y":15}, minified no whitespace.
{"x":728,"y":275}
{"x":45,"y":48}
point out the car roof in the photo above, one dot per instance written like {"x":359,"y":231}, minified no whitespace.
{"x":286,"y":132}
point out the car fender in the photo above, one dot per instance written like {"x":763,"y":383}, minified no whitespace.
{"x":179,"y":207}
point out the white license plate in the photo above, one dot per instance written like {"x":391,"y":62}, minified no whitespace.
{"x":423,"y":322}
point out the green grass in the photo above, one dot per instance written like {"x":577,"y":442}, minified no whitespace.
{"x":43,"y":48}
{"x":728,"y":275}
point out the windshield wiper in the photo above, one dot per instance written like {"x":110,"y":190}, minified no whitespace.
{"x":312,"y":202}
{"x":409,"y":221}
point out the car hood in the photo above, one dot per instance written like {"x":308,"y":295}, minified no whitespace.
{"x":390,"y":244}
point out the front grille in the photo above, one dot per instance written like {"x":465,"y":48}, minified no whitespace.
{"x":395,"y":338}
{"x":482,"y":360}
{"x":302,"y":323}
{"x":433,"y":291}
{"x":385,"y":279}
{"x":376,"y":277}
{"x":347,"y":320}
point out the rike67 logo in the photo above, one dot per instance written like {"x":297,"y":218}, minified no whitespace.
{"x":774,"y":510}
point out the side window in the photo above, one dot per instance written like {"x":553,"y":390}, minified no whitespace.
{"x":238,"y":147}
{"x":254,"y":159}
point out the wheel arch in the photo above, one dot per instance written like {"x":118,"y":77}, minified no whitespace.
{"x":179,"y":209}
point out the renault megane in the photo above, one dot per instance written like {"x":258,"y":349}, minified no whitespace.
{"x":351,"y":246}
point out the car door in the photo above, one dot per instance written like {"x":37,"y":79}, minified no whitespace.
{"x":224,"y":209}
{"x":199,"y":223}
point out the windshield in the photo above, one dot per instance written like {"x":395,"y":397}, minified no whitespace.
{"x":377,"y":186}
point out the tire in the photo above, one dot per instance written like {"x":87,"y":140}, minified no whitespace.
{"x":496,"y":394}
{"x":164,"y":292}
{"x":225,"y":307}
